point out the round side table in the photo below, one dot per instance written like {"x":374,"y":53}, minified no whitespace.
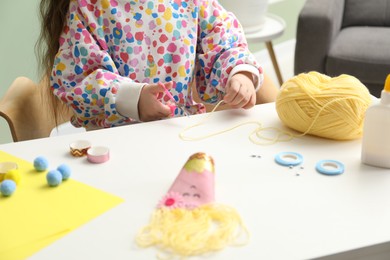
{"x":272,"y":27}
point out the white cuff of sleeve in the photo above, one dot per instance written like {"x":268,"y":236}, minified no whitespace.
{"x":248,"y":68}
{"x":127,"y":99}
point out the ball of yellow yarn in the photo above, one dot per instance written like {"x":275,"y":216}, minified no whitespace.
{"x":316,"y":104}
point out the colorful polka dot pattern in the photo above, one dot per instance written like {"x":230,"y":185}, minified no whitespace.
{"x":108,"y":43}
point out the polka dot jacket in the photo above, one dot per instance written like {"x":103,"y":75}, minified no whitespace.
{"x":107,"y":45}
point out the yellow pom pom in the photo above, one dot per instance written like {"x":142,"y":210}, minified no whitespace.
{"x":316,"y":104}
{"x":5,"y":167}
{"x":13,"y":175}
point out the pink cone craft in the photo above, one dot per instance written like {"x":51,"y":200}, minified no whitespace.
{"x":187,"y":220}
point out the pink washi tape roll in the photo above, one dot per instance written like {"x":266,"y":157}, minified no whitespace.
{"x":99,"y":154}
{"x":5,"y":167}
{"x":79,"y":148}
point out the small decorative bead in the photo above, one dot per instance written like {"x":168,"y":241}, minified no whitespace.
{"x":169,"y":202}
{"x":41,"y":164}
{"x":54,"y":178}
{"x":7,"y":187}
{"x":65,"y":171}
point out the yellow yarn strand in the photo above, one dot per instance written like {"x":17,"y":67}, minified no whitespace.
{"x":183,"y":232}
{"x":281,"y":136}
{"x":311,"y":103}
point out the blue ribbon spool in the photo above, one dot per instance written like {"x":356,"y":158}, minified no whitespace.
{"x":330,"y":167}
{"x":288,"y":158}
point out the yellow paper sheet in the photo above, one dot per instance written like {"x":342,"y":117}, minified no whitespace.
{"x":37,"y":215}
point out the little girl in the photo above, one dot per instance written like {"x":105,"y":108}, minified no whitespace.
{"x":106,"y":59}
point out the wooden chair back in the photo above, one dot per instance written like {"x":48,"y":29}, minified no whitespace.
{"x":27,"y":111}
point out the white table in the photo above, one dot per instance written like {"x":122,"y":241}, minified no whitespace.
{"x":272,"y":28}
{"x":288,"y":216}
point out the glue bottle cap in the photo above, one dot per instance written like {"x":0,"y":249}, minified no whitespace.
{"x":385,"y":95}
{"x":387,"y":84}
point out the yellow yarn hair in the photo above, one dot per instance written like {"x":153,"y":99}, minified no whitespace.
{"x":317,"y":104}
{"x":183,"y":232}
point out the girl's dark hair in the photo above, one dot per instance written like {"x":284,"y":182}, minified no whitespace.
{"x":52,"y":17}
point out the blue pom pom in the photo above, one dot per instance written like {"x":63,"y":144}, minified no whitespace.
{"x":7,"y":187}
{"x":65,"y":171}
{"x":41,"y":163}
{"x":54,"y":178}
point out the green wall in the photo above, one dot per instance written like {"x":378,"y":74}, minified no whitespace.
{"x":21,"y":28}
{"x":18,"y":39}
{"x":19,"y":31}
{"x":288,"y":10}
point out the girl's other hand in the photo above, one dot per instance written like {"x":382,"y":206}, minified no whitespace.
{"x":149,"y":106}
{"x":240,"y":91}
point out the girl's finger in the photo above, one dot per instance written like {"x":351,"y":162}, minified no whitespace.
{"x":251,"y":102}
{"x":232,"y":92}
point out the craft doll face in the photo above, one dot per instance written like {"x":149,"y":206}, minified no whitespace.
{"x":195,"y":188}
{"x":190,"y":190}
{"x":183,"y":226}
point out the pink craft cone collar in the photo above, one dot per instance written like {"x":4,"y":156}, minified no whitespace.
{"x":194,"y":186}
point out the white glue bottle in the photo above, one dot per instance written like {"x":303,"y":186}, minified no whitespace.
{"x":376,"y":131}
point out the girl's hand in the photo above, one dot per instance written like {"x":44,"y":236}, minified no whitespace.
{"x":240,"y":91}
{"x":149,"y":106}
